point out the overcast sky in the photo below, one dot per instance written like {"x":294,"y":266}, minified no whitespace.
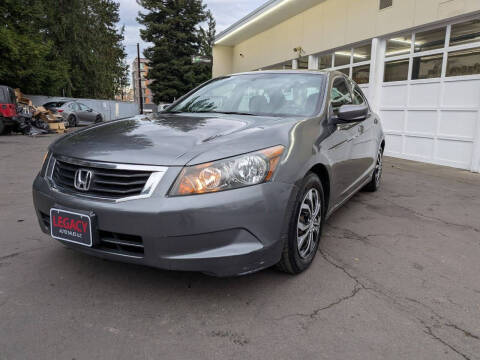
{"x":226,"y":12}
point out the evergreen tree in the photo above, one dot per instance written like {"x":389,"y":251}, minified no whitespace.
{"x":85,"y":37}
{"x":28,"y":56}
{"x":62,"y":47}
{"x":173,"y":26}
{"x":207,"y":39}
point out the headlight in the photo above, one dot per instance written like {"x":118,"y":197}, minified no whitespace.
{"x":44,"y":163}
{"x":244,"y":170}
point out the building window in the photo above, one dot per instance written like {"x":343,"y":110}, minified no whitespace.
{"x":342,"y":57}
{"x":384,"y":4}
{"x":303,"y":63}
{"x":465,"y":62}
{"x":465,"y":33}
{"x":396,"y":70}
{"x":399,"y":45}
{"x":346,"y":71}
{"x":430,"y":40}
{"x":426,"y":67}
{"x":361,"y":74}
{"x":362,"y":53}
{"x":325,"y":61}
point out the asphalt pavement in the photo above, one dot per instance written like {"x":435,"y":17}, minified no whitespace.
{"x":397,"y":277}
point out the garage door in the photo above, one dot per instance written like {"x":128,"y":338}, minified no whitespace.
{"x":430,"y":95}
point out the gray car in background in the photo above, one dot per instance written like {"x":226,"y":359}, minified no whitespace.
{"x":74,"y":112}
{"x":236,"y":176}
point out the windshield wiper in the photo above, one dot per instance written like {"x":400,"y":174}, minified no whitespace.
{"x":211,"y":112}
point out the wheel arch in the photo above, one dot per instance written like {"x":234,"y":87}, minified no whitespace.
{"x":321,"y":171}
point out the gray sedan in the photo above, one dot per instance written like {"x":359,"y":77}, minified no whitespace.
{"x":74,"y":112}
{"x":236,"y":176}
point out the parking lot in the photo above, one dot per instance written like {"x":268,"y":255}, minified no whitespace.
{"x":397,"y":277}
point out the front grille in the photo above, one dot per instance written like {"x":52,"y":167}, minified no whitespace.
{"x":105,"y":183}
{"x":122,"y":244}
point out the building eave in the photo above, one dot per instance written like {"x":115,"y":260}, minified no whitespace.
{"x":264,"y":17}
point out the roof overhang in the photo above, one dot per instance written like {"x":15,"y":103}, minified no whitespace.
{"x":266,"y":16}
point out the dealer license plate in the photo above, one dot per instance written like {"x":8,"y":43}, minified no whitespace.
{"x":71,"y":226}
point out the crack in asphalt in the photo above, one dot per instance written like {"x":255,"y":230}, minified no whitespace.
{"x":423,"y":216}
{"x":435,"y":319}
{"x":349,"y":234}
{"x":465,"y":332}
{"x":430,"y":332}
{"x":312,"y":315}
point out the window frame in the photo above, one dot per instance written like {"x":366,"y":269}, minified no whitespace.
{"x":444,"y":51}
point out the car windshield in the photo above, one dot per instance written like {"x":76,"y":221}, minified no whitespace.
{"x":268,"y":94}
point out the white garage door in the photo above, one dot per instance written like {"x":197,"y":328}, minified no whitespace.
{"x":430,"y":96}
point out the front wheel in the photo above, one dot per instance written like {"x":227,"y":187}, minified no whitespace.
{"x":305,"y":227}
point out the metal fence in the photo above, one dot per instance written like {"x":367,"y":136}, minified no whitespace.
{"x":110,"y":109}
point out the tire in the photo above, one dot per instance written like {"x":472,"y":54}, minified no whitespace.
{"x":298,"y":254}
{"x":72,"y":121}
{"x":2,"y":126}
{"x":98,"y":119}
{"x":374,"y":183}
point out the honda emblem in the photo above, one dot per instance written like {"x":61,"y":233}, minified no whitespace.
{"x":83,"y":178}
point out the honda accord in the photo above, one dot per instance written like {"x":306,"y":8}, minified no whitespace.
{"x":236,"y":176}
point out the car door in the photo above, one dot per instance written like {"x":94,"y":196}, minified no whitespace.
{"x":339,"y":143}
{"x":364,"y":144}
{"x":86,"y":114}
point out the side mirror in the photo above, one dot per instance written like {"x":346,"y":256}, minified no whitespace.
{"x":352,"y":113}
{"x":90,"y":110}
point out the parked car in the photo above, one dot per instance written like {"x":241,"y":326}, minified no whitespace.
{"x":162,"y":107}
{"x":238,"y":175}
{"x":74,"y":112}
{"x":8,"y":108}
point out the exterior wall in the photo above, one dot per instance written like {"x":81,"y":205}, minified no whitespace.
{"x":222,"y":63}
{"x":333,"y":24}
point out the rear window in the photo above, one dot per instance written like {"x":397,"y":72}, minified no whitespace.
{"x":54,"y":104}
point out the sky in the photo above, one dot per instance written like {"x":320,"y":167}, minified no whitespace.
{"x":226,"y":12}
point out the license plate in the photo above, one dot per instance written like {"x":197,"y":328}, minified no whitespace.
{"x":70,"y":226}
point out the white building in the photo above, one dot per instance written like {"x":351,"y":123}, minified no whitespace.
{"x":418,"y":62}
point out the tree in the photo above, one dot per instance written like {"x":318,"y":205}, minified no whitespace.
{"x":86,"y":38}
{"x":207,"y":39}
{"x":174,"y":29}
{"x":28,"y":56}
{"x":62,"y":47}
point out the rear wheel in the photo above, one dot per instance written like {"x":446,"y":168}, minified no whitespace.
{"x":374,"y":184}
{"x":98,"y":119}
{"x":72,"y":121}
{"x":305,"y":227}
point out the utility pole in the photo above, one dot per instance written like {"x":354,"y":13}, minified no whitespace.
{"x":139,"y":79}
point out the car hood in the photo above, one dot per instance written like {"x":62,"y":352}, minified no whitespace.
{"x":174,"y":139}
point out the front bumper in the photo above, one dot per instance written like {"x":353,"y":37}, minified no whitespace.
{"x":226,"y":233}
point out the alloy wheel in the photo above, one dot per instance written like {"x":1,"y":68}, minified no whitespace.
{"x":308,"y":223}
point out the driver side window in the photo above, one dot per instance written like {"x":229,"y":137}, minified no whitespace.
{"x":340,"y":93}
